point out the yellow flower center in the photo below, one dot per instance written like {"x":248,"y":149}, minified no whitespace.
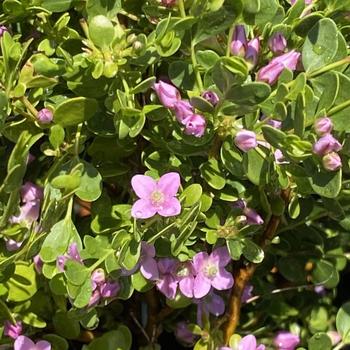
{"x":157,"y":198}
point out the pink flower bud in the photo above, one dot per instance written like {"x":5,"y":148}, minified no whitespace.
{"x":195,"y":125}
{"x":3,"y":29}
{"x":167,"y":94}
{"x":277,"y":43}
{"x":45,"y":116}
{"x":252,"y":53}
{"x":331,"y":161}
{"x":279,"y":157}
{"x":98,"y":277}
{"x":286,"y":341}
{"x":95,"y":298}
{"x":211,"y":97}
{"x":38,"y":264}
{"x":323,"y":126}
{"x":271,"y":72}
{"x":12,"y":330}
{"x":109,"y":289}
{"x":183,"y":334}
{"x":326,"y":144}
{"x":183,"y":111}
{"x":334,"y":336}
{"x":239,"y":42}
{"x":168,"y":3}
{"x":253,"y":218}
{"x":245,"y":140}
{"x":12,"y":245}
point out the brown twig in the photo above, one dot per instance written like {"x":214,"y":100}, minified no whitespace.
{"x":153,"y":308}
{"x":244,"y":272}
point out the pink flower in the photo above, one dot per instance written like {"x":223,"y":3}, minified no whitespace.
{"x":25,"y":343}
{"x":167,"y":282}
{"x":31,"y":192}
{"x":109,"y":289}
{"x":271,"y":72}
{"x":13,"y":330}
{"x":38,"y":264}
{"x":334,"y":336}
{"x":195,"y":125}
{"x":12,"y":245}
{"x":210,"y":272}
{"x":45,"y":116}
{"x":148,"y":265}
{"x":183,"y":111}
{"x":98,"y":277}
{"x":331,"y":161}
{"x":211,"y":97}
{"x":245,"y":140}
{"x":167,"y":94}
{"x":156,"y":196}
{"x":239,"y":42}
{"x":168,"y":3}
{"x":247,"y":293}
{"x":279,"y":157}
{"x":72,"y":253}
{"x":183,"y":334}
{"x":210,"y":304}
{"x":277,"y":43}
{"x":3,"y":29}
{"x":326,"y":144}
{"x":249,"y":343}
{"x":286,"y":341}
{"x":253,"y":218}
{"x":323,"y":126}
{"x":252,"y":53}
{"x":184,"y":273}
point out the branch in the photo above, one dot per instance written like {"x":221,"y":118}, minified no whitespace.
{"x":244,"y":272}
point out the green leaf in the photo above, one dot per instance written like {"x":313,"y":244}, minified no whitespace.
{"x":143,"y":86}
{"x":182,"y":75}
{"x":57,"y":5}
{"x":213,"y":174}
{"x":65,"y":325}
{"x":119,"y":339}
{"x":273,"y":136}
{"x":326,"y":184}
{"x":74,"y":111}
{"x":191,"y":195}
{"x":107,"y":8}
{"x":75,"y":272}
{"x":343,"y":322}
{"x":235,"y":248}
{"x":232,"y":159}
{"x":101,"y":31}
{"x":207,"y":58}
{"x":320,"y":341}
{"x":325,"y":273}
{"x":57,"y":342}
{"x":58,"y":239}
{"x":256,"y":167}
{"x":56,"y":137}
{"x":299,"y":115}
{"x":22,"y":285}
{"x":252,"y":251}
{"x":250,"y":94}
{"x":140,"y":283}
{"x":320,"y":45}
{"x":90,"y":187}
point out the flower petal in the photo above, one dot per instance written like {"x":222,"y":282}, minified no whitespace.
{"x":247,"y":343}
{"x":221,"y":255}
{"x":198,"y":260}
{"x":223,"y":280}
{"x":171,"y":207}
{"x":43,"y":345}
{"x":143,"y":209}
{"x":166,"y":265}
{"x":168,"y":286}
{"x":261,"y":347}
{"x":149,"y":269}
{"x":186,"y":286}
{"x":23,"y":343}
{"x":143,"y":185}
{"x":169,"y":184}
{"x":201,"y":287}
{"x":216,"y":305}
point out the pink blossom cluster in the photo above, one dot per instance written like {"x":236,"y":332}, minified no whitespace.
{"x":195,"y":278}
{"x":327,"y":145}
{"x":170,"y":97}
{"x":102,"y":288}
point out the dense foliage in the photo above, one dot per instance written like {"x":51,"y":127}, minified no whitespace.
{"x":174,"y":169}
